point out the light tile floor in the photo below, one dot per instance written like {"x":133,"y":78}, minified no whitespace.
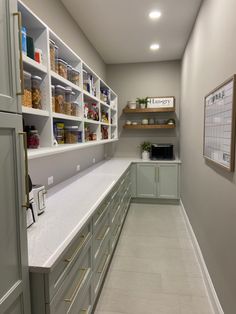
{"x":154,"y":269}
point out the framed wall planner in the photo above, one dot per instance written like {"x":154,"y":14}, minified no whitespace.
{"x":219,"y":125}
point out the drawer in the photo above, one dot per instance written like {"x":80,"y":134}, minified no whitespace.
{"x":58,"y":274}
{"x":84,"y":304}
{"x":114,"y":214}
{"x":115,"y":233}
{"x":100,"y":212}
{"x":72,"y":289}
{"x":100,"y":268}
{"x":101,"y":234}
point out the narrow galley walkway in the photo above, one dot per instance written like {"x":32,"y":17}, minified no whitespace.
{"x":154,"y":269}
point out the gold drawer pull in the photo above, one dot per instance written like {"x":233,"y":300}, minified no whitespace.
{"x":78,"y":286}
{"x":103,"y":265}
{"x":85,"y":311}
{"x":102,"y":236}
{"x":84,"y":239}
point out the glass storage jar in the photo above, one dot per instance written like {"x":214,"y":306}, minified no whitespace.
{"x":71,"y":134}
{"x":56,"y":58}
{"x":68,"y":100}
{"x":52,"y":48}
{"x":59,"y":98}
{"x":62,"y":68}
{"x":75,"y":108}
{"x":75,"y":76}
{"x":53,"y":98}
{"x":33,"y":139}
{"x":69,"y":70}
{"x":59,"y":133}
{"x":27,"y":97}
{"x":36,"y":92}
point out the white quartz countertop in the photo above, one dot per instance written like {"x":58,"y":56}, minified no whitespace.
{"x":68,"y":206}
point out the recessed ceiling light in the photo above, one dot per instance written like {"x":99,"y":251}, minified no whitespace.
{"x":154,"y":15}
{"x":154,"y":46}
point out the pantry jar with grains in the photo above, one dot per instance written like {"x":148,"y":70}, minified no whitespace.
{"x":75,"y":109}
{"x":62,"y":68}
{"x":59,"y":98}
{"x":69,"y":70}
{"x":53,"y":98}
{"x":36,"y":92}
{"x":27,"y":97}
{"x":68,"y":100}
{"x":52,"y":47}
{"x":71,"y":134}
{"x":75,"y":76}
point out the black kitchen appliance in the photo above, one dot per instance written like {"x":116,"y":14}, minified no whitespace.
{"x":162,"y":152}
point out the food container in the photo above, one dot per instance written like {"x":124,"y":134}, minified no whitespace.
{"x":56,"y":58}
{"x":53,"y":98}
{"x":60,"y":133}
{"x":33,"y":139}
{"x":71,"y":134}
{"x":145,"y":121}
{"x":151,"y":121}
{"x":38,"y":55}
{"x":62,"y":68}
{"x":36,"y":92}
{"x":128,"y":122}
{"x":68,"y":100}
{"x":52,"y":48}
{"x":69,"y":70}
{"x":75,"y":109}
{"x":75,"y":76}
{"x":27,"y":97}
{"x":59,"y":98}
{"x":86,"y":81}
{"x":24,"y":40}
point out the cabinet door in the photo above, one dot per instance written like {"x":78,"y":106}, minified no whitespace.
{"x":13,"y":243}
{"x":167,"y":186}
{"x":9,"y":57}
{"x":146,"y":180}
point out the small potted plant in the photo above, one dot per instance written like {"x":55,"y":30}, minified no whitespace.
{"x":146,"y":148}
{"x":142,"y":102}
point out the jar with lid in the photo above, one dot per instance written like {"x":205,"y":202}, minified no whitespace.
{"x":69,"y":70}
{"x":36,"y":92}
{"x":60,"y":133}
{"x":71,"y":134}
{"x":33,"y":138}
{"x":52,"y":48}
{"x":75,"y":76}
{"x":59,"y":98}
{"x":56,"y":58}
{"x":68,"y":100}
{"x":27,"y":97}
{"x":75,"y":108}
{"x":62,"y":68}
{"x":53,"y":97}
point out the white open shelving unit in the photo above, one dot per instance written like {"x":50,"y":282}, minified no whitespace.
{"x":45,"y":119}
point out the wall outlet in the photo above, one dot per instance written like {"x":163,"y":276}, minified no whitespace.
{"x":78,"y":168}
{"x":94,"y":160}
{"x":50,"y":180}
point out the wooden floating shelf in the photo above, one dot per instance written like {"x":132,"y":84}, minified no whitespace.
{"x":148,"y":110}
{"x":149,"y":126}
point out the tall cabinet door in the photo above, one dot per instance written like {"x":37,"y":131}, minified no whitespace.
{"x":167,"y":185}
{"x":14,"y":282}
{"x":9,"y":57}
{"x":146,"y":180}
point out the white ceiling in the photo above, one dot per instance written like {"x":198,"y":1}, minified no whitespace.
{"x":122,"y":32}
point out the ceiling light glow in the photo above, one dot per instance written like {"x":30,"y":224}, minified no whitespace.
{"x":154,"y":15}
{"x":154,"y":46}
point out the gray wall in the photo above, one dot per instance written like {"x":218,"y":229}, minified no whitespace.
{"x":140,"y":80}
{"x":55,"y":15}
{"x":209,"y":193}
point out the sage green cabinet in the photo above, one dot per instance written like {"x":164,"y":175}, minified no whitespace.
{"x":14,"y":281}
{"x":9,"y":57}
{"x":157,"y":180}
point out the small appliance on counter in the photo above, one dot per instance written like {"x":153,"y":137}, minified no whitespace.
{"x":39,"y":194}
{"x":162,"y":152}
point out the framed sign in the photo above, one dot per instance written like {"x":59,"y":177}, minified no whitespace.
{"x":161,"y":102}
{"x":219,"y":125}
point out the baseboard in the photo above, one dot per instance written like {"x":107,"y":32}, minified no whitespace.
{"x":216,"y":306}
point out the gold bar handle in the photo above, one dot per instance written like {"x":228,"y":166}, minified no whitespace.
{"x":18,"y":14}
{"x":102,"y":236}
{"x":27,"y":205}
{"x":84,"y":311}
{"x":84,"y":239}
{"x":78,"y":285}
{"x":103,"y":265}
